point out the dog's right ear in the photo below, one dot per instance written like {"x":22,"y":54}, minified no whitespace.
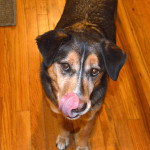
{"x":49,"y":44}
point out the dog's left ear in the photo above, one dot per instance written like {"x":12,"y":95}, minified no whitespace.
{"x":114,"y":58}
{"x":49,"y":44}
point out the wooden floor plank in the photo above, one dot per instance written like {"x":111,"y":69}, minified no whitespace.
{"x":37,"y":116}
{"x":51,"y":127}
{"x":55,"y":9}
{"x":41,"y":7}
{"x":109,"y":134}
{"x":9,"y":98}
{"x":1,"y":61}
{"x":22,"y":66}
{"x":129,"y":99}
{"x":119,"y":118}
{"x":42,"y":24}
{"x":23,"y":133}
{"x":1,"y":122}
{"x":1,"y":80}
{"x":139,"y":135}
{"x":96,"y":140}
{"x":138,"y":16}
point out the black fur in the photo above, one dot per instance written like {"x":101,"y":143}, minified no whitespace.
{"x":114,"y":58}
{"x":46,"y":83}
{"x":97,"y":96}
{"x":49,"y":44}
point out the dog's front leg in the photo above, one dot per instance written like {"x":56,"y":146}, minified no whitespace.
{"x":83,"y":135}
{"x":63,"y":138}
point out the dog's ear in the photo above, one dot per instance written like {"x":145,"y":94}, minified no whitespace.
{"x":114,"y":58}
{"x":49,"y":44}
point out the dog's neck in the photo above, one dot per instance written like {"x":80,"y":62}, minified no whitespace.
{"x":84,"y":26}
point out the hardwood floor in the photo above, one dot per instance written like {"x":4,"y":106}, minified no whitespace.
{"x":26,"y":122}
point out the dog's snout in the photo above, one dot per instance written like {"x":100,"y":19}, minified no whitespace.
{"x":78,"y":110}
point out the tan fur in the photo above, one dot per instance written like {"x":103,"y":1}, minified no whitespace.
{"x":91,"y":60}
{"x":86,"y":89}
{"x":61,"y":83}
{"x":52,"y":106}
{"x":73,"y":60}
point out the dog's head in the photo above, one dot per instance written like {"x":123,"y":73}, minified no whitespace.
{"x":77,"y":64}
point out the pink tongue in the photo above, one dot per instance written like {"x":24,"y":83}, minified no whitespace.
{"x":69,"y":102}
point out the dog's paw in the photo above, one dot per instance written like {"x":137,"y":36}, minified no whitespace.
{"x":62,"y":142}
{"x":82,"y":148}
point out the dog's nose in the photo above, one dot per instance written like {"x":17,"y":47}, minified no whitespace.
{"x":79,"y":109}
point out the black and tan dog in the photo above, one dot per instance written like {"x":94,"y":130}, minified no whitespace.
{"x":78,"y":57}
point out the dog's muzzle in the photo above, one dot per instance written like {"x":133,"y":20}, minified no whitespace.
{"x":72,"y":107}
{"x":79,"y":112}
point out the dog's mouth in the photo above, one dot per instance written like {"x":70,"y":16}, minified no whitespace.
{"x":73,"y":118}
{"x":72,"y":108}
{"x":79,"y":112}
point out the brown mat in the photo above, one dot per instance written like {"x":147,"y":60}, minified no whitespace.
{"x":7,"y":12}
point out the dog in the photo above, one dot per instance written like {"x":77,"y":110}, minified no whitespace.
{"x":79,"y":56}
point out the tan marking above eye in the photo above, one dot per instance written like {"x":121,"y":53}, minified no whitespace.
{"x":73,"y":60}
{"x":92,"y":60}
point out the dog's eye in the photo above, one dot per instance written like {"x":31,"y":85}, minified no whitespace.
{"x":65,"y":66}
{"x":94,"y":72}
